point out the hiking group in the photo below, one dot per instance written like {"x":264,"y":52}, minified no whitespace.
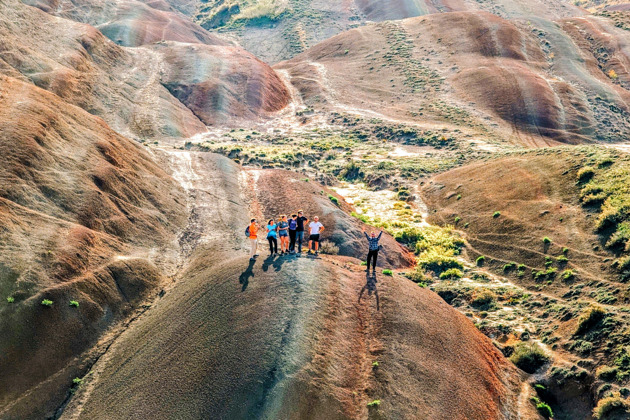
{"x":290,"y":232}
{"x":291,"y":235}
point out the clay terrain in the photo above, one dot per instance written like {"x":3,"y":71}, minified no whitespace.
{"x":487,"y":140}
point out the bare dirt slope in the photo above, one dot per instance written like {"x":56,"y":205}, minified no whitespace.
{"x":131,"y":23}
{"x":85,"y":215}
{"x":129,"y":87}
{"x":286,"y":338}
{"x":279,"y":30}
{"x":533,"y":83}
{"x":280,"y":192}
{"x":537,"y":197}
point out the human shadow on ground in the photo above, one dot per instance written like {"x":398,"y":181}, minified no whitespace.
{"x":276,"y":261}
{"x":370,"y":285}
{"x":245,"y":275}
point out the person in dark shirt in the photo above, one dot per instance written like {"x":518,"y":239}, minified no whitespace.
{"x":373,"y":249}
{"x":292,"y":232}
{"x":299,"y":232}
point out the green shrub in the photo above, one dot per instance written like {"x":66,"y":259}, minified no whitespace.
{"x":546,"y":240}
{"x":457,"y":219}
{"x":466,"y":225}
{"x":607,"y":373}
{"x":333,"y":199}
{"x":363,"y":262}
{"x":480,"y":260}
{"x":388,"y":272}
{"x":483,"y":298}
{"x":459,"y":196}
{"x":496,"y":214}
{"x":374,"y":403}
{"x":544,"y":410}
{"x":585,"y":174}
{"x":451,"y":274}
{"x":568,"y":275}
{"x":77,"y":381}
{"x":562,"y":259}
{"x":10,"y":299}
{"x":528,"y":356}
{"x":565,"y":250}
{"x":591,"y":317}
{"x":74,"y":303}
{"x":47,"y":302}
{"x":509,"y":266}
{"x":611,"y":407}
{"x":624,"y":263}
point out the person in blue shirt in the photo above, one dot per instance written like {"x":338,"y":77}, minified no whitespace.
{"x":283,"y":232}
{"x":272,"y":237}
{"x":373,"y":249}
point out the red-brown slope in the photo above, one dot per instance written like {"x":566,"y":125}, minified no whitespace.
{"x":131,"y":23}
{"x":286,"y":337}
{"x":76,"y":62}
{"x":126,"y":86}
{"x":288,"y":340}
{"x":81,"y":210}
{"x":283,"y":192}
{"x":539,"y":84}
{"x":219,"y":83}
{"x":537,"y":197}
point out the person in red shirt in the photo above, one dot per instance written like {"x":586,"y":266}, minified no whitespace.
{"x":253,"y":238}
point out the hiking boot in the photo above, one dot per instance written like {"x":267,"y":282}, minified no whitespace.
{"x":316,"y":253}
{"x":367,"y":270}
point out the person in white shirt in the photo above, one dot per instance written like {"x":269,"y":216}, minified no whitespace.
{"x":315,"y":229}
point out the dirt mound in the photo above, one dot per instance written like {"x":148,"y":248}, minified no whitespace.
{"x":126,"y":86}
{"x":131,"y":23}
{"x":81,"y":211}
{"x":486,"y":76}
{"x":276,"y":31}
{"x":76,"y":62}
{"x":282,"y":192}
{"x":287,"y":339}
{"x":536,"y":197}
{"x":219,"y":84}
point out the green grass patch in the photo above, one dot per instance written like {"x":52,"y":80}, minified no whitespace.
{"x":589,"y":319}
{"x":74,"y":303}
{"x":528,"y":356}
{"x":10,"y":299}
{"x":388,"y":272}
{"x":47,"y":302}
{"x":374,"y":403}
{"x":452,"y":274}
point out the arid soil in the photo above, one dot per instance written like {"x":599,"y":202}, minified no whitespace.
{"x":85,"y":215}
{"x":534,"y":83}
{"x":285,"y":337}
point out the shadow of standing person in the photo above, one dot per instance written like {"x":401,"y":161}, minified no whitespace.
{"x":245,"y":275}
{"x":370,"y":285}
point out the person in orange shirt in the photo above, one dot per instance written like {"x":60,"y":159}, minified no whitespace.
{"x":253,"y":238}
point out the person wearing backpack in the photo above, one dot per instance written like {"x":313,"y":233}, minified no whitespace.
{"x":292,"y":233}
{"x":252,"y":233}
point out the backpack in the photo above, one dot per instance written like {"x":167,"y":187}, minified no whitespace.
{"x":247,"y":231}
